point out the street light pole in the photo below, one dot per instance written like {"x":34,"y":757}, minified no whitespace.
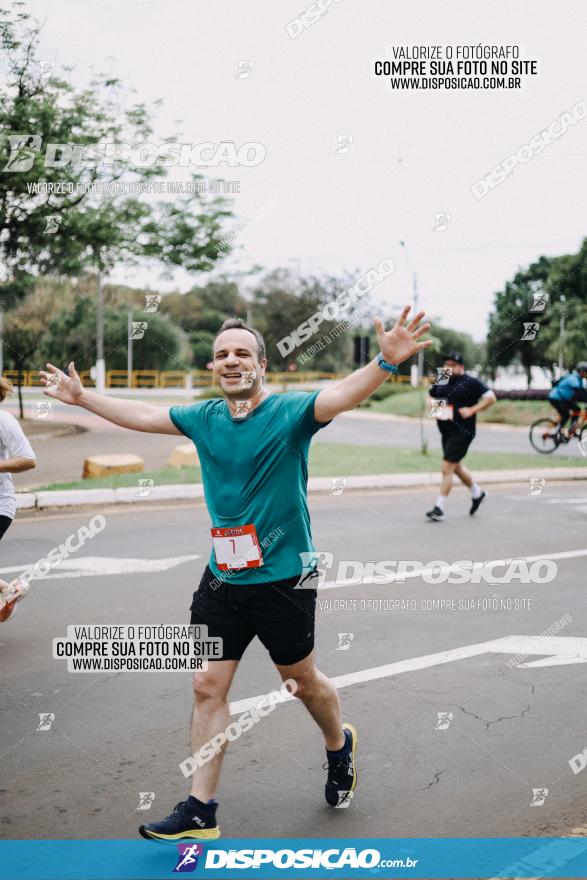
{"x":100,"y":365}
{"x":420,"y":366}
{"x":421,"y":352}
{"x":129,"y":351}
{"x":562,"y":330}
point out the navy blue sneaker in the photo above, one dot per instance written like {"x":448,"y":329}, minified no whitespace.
{"x":435,"y":514}
{"x":342,"y":773}
{"x":476,"y":502}
{"x":190,"y":820}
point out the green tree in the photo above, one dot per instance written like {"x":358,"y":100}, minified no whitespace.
{"x":24,"y":327}
{"x":71,"y":335}
{"x":563,"y":280}
{"x":70,"y":226}
{"x":201,"y":311}
{"x":283,"y":300}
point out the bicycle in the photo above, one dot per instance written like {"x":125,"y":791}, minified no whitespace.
{"x":546,"y":434}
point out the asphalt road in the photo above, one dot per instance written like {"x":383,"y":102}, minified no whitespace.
{"x":512,"y":729}
{"x":60,"y":459}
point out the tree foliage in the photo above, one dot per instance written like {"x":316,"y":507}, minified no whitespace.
{"x":563,"y":280}
{"x":74,"y":214}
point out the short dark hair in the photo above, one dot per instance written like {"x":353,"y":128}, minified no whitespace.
{"x":238,"y":324}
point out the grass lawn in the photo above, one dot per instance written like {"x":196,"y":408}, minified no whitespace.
{"x":337,"y":460}
{"x":510,"y":412}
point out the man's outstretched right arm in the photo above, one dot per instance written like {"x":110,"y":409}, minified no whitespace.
{"x":133,"y":414}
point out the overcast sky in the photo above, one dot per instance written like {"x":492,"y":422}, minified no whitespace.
{"x":415,"y":154}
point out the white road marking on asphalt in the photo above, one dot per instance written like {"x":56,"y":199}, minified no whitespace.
{"x":582,"y":500}
{"x":561,"y":650}
{"x":93,"y":566}
{"x":445,"y":569}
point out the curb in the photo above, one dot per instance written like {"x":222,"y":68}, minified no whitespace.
{"x":316,"y":485}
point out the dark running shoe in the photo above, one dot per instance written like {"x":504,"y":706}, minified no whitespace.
{"x":342,"y":773}
{"x":185,"y":823}
{"x":476,"y":502}
{"x":435,"y":514}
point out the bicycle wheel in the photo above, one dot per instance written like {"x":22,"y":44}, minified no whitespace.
{"x":582,"y":438}
{"x":544,"y":436}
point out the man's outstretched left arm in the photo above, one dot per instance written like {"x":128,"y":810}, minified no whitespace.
{"x":396,"y":345}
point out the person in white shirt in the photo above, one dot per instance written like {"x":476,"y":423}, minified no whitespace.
{"x":16,"y":455}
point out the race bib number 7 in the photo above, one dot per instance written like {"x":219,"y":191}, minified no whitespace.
{"x":237,"y":547}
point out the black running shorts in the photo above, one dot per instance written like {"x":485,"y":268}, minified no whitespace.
{"x":279,"y":615}
{"x":5,"y":523}
{"x":455,"y":446}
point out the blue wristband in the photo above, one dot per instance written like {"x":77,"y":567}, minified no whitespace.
{"x":389,"y":368}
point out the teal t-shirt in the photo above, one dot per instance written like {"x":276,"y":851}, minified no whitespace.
{"x":255,"y":470}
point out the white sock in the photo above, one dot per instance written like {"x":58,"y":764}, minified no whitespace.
{"x":440,"y":502}
{"x":475,"y":491}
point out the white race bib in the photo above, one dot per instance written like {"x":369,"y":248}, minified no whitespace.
{"x":237,"y":547}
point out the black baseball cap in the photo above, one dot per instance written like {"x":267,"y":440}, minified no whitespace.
{"x":454,"y":356}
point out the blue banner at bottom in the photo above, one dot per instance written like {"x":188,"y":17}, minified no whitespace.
{"x":287,"y":858}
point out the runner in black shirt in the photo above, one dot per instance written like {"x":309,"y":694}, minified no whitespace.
{"x":458,"y":398}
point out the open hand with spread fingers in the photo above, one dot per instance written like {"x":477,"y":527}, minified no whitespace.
{"x":401,"y":342}
{"x":57,"y":384}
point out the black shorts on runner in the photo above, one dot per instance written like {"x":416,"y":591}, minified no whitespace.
{"x":455,"y":446}
{"x":279,"y":615}
{"x":5,"y":523}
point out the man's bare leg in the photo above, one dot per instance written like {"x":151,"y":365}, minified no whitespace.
{"x":320,"y":698}
{"x":446,"y":480}
{"x":211,"y":715}
{"x":464,"y":475}
{"x":448,"y":469}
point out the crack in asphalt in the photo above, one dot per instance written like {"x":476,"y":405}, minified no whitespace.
{"x":497,"y":720}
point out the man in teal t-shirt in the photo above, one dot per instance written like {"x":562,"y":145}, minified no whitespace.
{"x":255,"y":471}
{"x":253,"y":448}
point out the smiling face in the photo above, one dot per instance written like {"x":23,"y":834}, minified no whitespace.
{"x":237,"y":368}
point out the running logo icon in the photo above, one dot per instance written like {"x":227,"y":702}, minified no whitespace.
{"x":152,"y":301}
{"x":146,"y":798}
{"x":338,"y":485}
{"x":144,"y":488}
{"x":539,"y":795}
{"x":537,"y":484}
{"x":530,"y":331}
{"x":187,"y":860}
{"x":138,"y":329}
{"x":441,"y":222}
{"x":444,"y":374}
{"x":539,"y":302}
{"x":23,"y":150}
{"x":46,"y":719}
{"x":343,"y":145}
{"x":444,"y":719}
{"x":52,"y":225}
{"x":43,"y":409}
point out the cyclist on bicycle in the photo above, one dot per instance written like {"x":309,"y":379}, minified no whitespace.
{"x":568,"y":393}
